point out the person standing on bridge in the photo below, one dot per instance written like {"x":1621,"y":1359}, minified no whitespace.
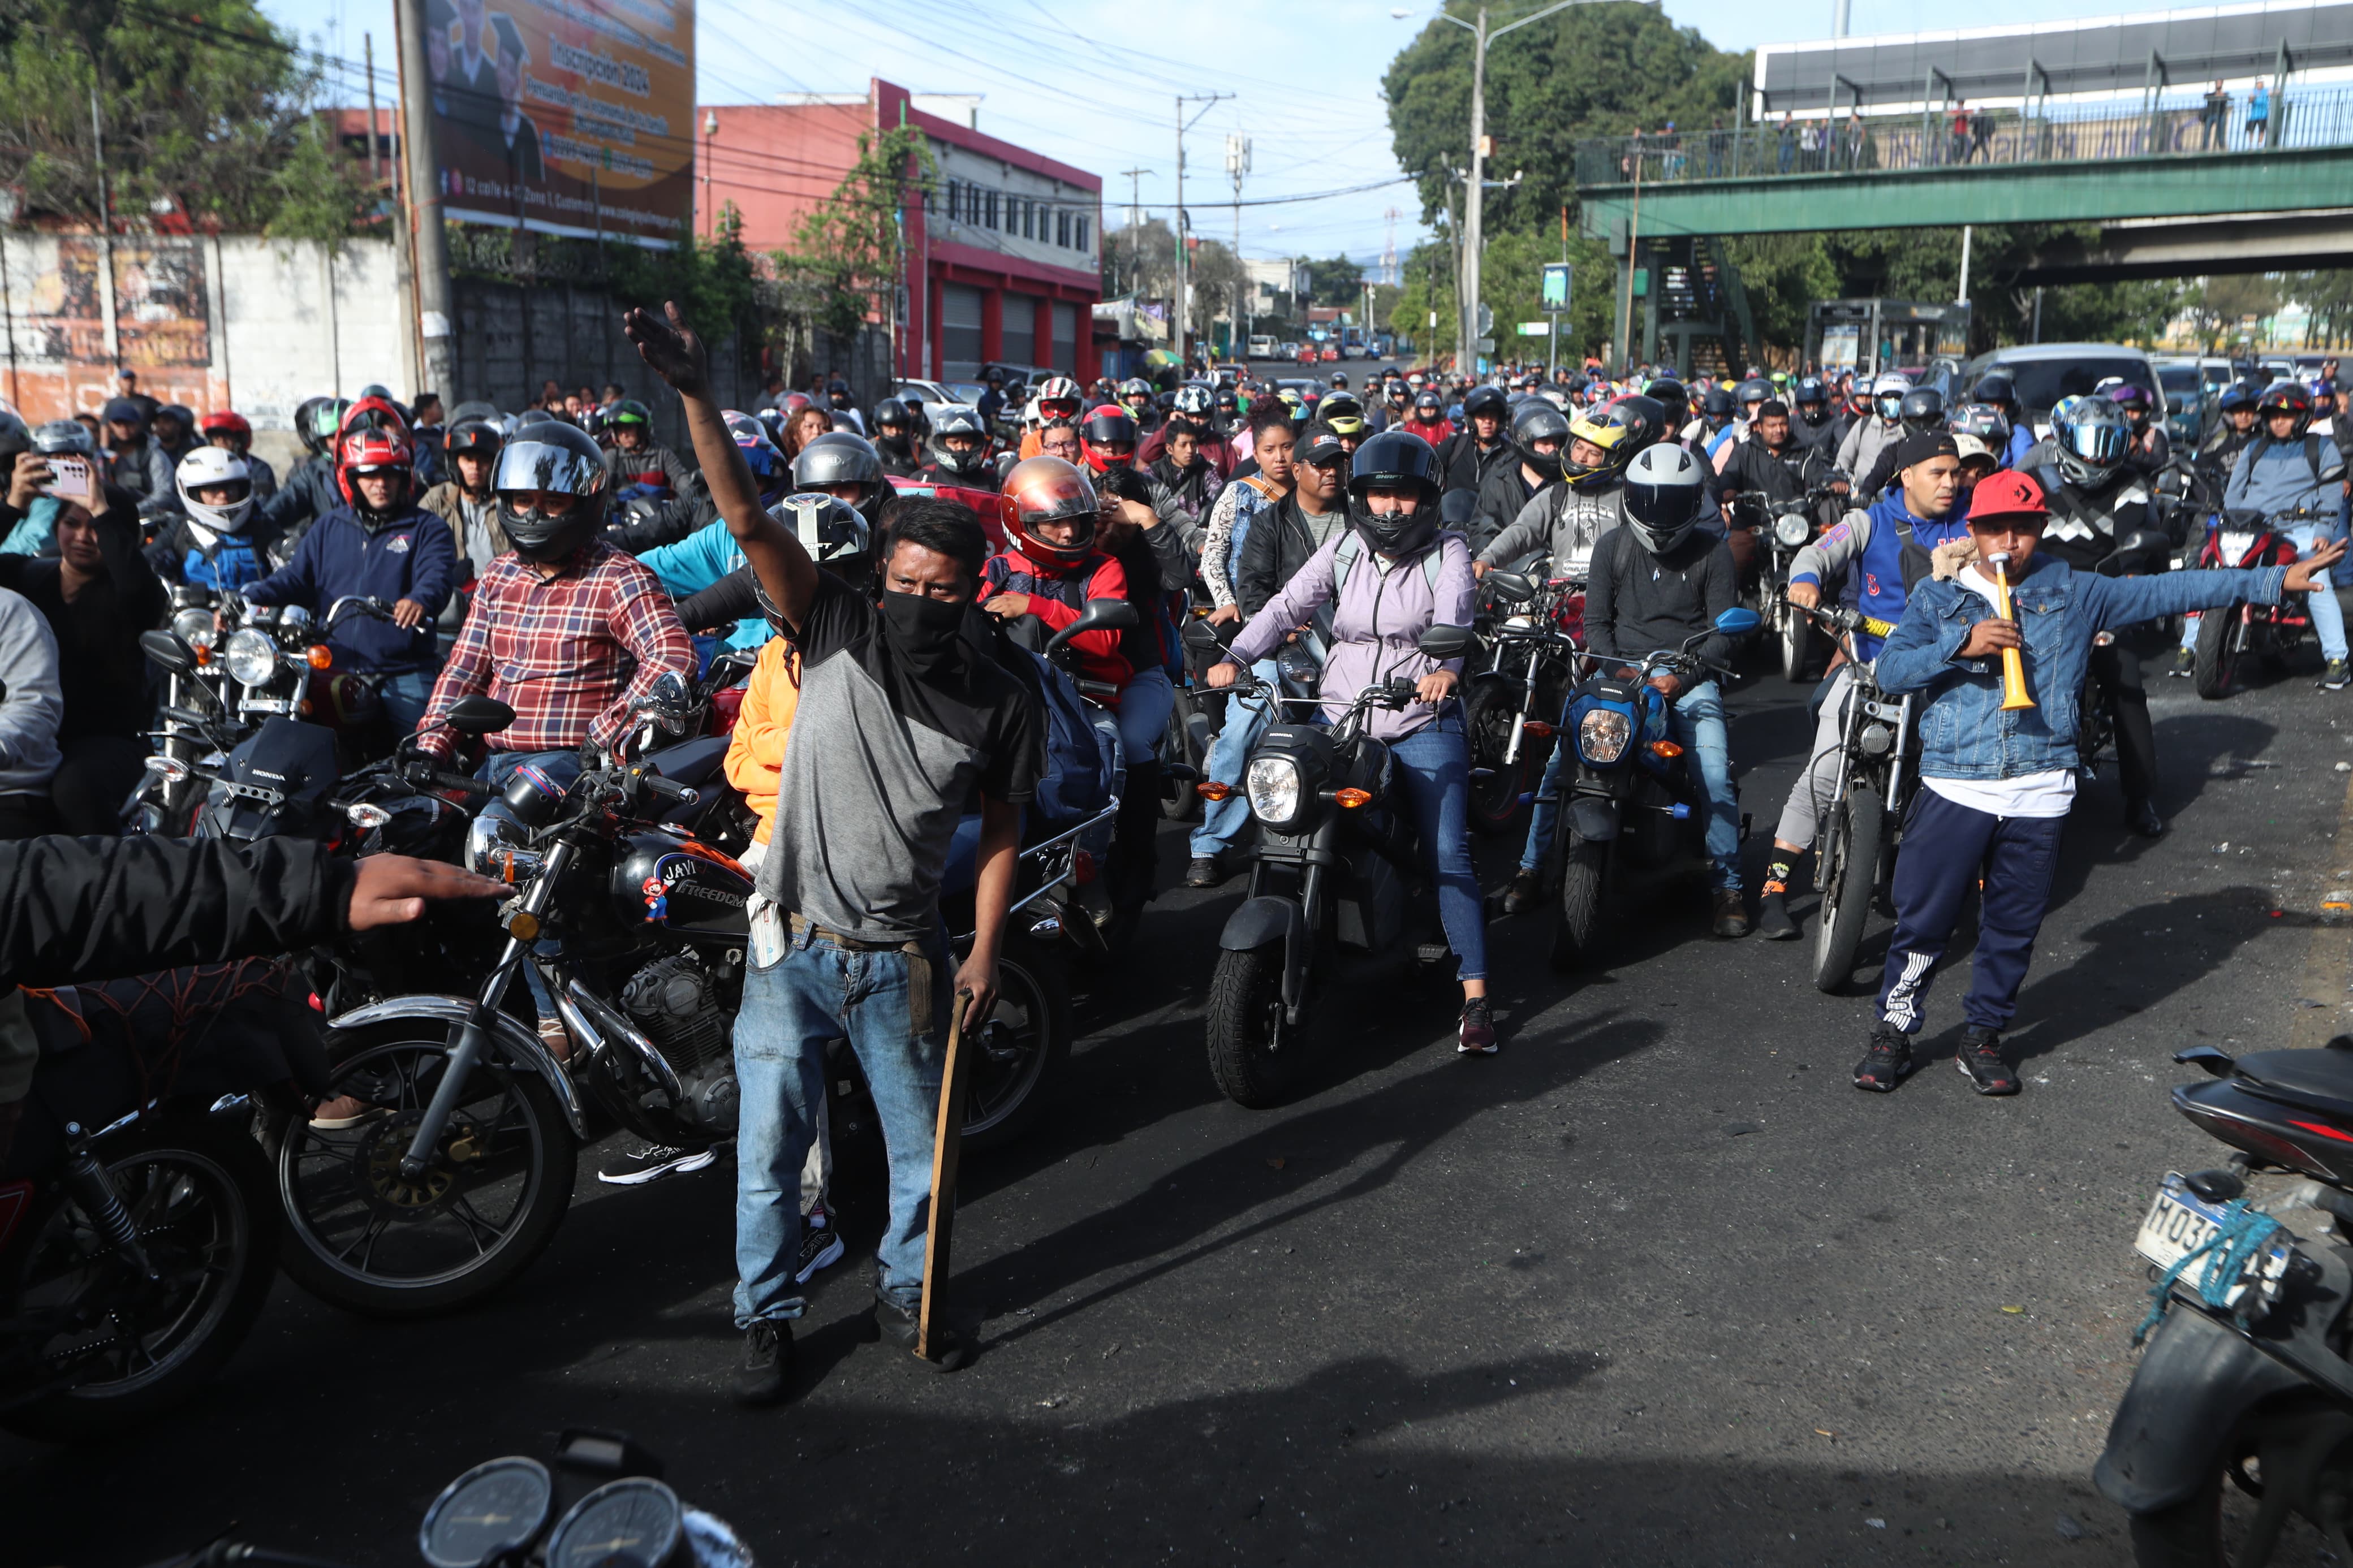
{"x":2214,"y":118}
{"x":2259,"y":114}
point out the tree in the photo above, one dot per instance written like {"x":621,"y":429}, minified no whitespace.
{"x":1140,"y":259}
{"x":1336,"y":281}
{"x":851,"y":246}
{"x":207,"y":108}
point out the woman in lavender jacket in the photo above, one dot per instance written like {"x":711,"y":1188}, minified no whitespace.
{"x":1389,"y":576}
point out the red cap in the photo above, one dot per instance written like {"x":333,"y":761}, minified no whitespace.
{"x":2006,"y":493}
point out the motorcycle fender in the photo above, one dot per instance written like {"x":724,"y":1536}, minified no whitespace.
{"x":2195,"y":1381}
{"x":1264,"y":920}
{"x":517,"y":1044}
{"x":1595,"y":819}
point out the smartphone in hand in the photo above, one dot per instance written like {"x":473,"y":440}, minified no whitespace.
{"x":71,"y":479}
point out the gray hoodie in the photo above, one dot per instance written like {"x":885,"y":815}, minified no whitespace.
{"x":34,"y":705}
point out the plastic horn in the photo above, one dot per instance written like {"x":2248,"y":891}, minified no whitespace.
{"x":2014,"y":663}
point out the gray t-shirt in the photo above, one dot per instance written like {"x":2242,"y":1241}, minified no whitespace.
{"x":882,"y":764}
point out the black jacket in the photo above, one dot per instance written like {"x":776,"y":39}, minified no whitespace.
{"x":78,"y":910}
{"x":1461,"y":465}
{"x":652,"y":457}
{"x":1277,"y":545}
{"x":1501,"y":497}
{"x":1780,"y":476}
{"x":101,"y":672}
{"x":309,"y":494}
{"x":898,"y":455}
{"x":1638,"y":603}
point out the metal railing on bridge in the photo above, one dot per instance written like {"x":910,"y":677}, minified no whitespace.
{"x":1949,"y":137}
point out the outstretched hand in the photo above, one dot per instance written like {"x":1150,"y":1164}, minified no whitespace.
{"x":393,"y":889}
{"x":2300,"y":576}
{"x":669,"y":346}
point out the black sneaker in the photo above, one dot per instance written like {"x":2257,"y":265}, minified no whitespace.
{"x":1206,"y":871}
{"x":1477,"y":1035}
{"x":900,"y":1327}
{"x":1887,"y":1063}
{"x":2185,"y":664}
{"x":766,"y":1373}
{"x":1729,"y":911}
{"x":2143,"y":819}
{"x":652,"y":1162}
{"x":1979,"y":1059}
{"x":1773,"y":922}
{"x":820,"y":1244}
{"x":1523,"y":893}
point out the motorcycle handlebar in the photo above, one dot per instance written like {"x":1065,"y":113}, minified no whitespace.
{"x":670,"y":788}
{"x":442,"y":778}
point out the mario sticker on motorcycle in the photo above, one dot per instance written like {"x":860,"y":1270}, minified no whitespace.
{"x":657,"y":893}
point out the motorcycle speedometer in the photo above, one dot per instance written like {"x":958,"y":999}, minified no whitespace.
{"x":636,"y":1521}
{"x":251,"y":658}
{"x":495,"y":1510}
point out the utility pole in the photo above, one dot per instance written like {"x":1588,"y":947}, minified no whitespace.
{"x":1184,"y":263}
{"x":427,"y":236}
{"x":1135,"y":227}
{"x":1473,"y":203}
{"x":376,"y":163}
{"x":710,"y":129}
{"x":1237,"y":150}
{"x":105,"y":223}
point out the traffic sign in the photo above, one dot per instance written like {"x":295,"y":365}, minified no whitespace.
{"x":1557,"y":275}
{"x":1486,"y":318}
{"x":1535,"y":329}
{"x":1486,"y":345}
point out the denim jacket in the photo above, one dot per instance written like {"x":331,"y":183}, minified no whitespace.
{"x":1964,"y":731}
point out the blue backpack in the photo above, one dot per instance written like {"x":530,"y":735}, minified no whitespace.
{"x":1077,"y":780}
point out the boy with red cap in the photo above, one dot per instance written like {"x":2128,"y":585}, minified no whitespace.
{"x":1995,"y":783}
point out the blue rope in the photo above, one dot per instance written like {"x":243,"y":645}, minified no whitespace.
{"x":2241,"y":1237}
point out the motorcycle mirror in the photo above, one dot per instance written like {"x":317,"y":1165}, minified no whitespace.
{"x":1512,"y":587}
{"x":168,"y":649}
{"x":1446,"y":642}
{"x":667,"y":700}
{"x":479,"y":715}
{"x":1202,"y":637}
{"x":1737,"y":622}
{"x":1101,"y":614}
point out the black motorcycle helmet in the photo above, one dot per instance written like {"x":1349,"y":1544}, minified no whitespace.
{"x":1540,"y":420}
{"x":1719,"y":406}
{"x":474,"y":437}
{"x":1812,"y":398}
{"x":889,"y":414}
{"x":837,"y":393}
{"x":844,"y":457}
{"x":1490,"y":401}
{"x":1395,"y":459}
{"x":1675,"y":397}
{"x":1998,"y":389}
{"x":15,"y":437}
{"x":543,"y":463}
{"x":1923,"y":411}
{"x":2286,"y":395}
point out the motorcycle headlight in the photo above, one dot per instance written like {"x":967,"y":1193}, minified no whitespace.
{"x":1272,"y":785}
{"x":1878,"y":740}
{"x":490,"y":851}
{"x":195,"y":627}
{"x":251,"y":658}
{"x":1793,"y":532}
{"x":1602,"y":736}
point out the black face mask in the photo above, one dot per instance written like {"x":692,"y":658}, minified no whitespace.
{"x":924,"y":631}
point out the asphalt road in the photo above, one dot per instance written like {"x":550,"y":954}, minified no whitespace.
{"x":1654,"y":1285}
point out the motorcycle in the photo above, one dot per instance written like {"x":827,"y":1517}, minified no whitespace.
{"x":1332,"y":871}
{"x":139,"y":1225}
{"x":169,"y":792}
{"x":2270,"y":632}
{"x":2096,"y":725}
{"x":1784,"y":528}
{"x":1532,"y":658}
{"x":603,"y":1502}
{"x":1629,"y":805}
{"x":2245,"y":1381}
{"x":1863,"y":825}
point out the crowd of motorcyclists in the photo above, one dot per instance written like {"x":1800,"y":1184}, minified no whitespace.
{"x":1205,"y":590}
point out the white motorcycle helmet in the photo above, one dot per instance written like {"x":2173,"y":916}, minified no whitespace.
{"x":1887,"y":396}
{"x":1664,"y":485}
{"x":213,"y":467}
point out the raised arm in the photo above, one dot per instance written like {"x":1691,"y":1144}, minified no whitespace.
{"x":673,"y":351}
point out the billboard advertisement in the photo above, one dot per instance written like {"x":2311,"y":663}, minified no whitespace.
{"x":570,"y":117}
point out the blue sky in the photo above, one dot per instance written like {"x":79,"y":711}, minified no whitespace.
{"x":1306,"y":79}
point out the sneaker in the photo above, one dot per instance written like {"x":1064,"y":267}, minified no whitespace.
{"x":1731,"y":912}
{"x":1206,"y":871}
{"x":766,"y":1373}
{"x":2143,"y":820}
{"x":2336,"y":677}
{"x":2185,"y":664}
{"x":1980,"y":1062}
{"x":900,"y":1326}
{"x":1887,"y":1063}
{"x":1477,"y":1037}
{"x":652,"y":1162}
{"x":1773,"y":922}
{"x":820,"y":1244}
{"x":1523,"y":893}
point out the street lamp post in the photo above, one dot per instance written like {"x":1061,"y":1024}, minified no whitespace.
{"x":1473,"y":200}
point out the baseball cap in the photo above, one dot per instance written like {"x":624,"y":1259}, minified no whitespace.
{"x":1321,"y":446}
{"x":1969,"y":448}
{"x":1918,"y":449}
{"x":2007,"y":494}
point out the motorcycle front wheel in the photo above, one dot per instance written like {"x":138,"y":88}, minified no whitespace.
{"x":1023,"y":1046}
{"x":1847,"y":867}
{"x":1494,"y":798}
{"x":1253,"y":1054}
{"x":1577,"y":927}
{"x":1797,"y":645}
{"x":361,"y":1237}
{"x":200,"y":1199}
{"x":2221,"y":637}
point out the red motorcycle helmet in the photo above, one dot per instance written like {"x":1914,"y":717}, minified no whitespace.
{"x":1044,"y":489}
{"x":372,"y":414}
{"x":228,"y":423}
{"x":372,"y":451}
{"x":1109,"y":425}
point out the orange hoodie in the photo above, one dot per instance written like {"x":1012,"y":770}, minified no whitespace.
{"x":755,"y":748}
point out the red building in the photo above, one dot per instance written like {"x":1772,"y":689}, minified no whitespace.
{"x":1004,"y":261}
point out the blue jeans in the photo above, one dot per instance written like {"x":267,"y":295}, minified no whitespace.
{"x":498,"y":768}
{"x":1434,"y":773}
{"x":1222,"y":821}
{"x":1948,"y":849}
{"x":1143,"y":718}
{"x":892,"y":1005}
{"x":405,"y":694}
{"x":2327,"y":615}
{"x":1696,"y":722}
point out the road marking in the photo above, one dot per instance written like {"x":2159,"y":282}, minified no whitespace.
{"x":2328,"y":967}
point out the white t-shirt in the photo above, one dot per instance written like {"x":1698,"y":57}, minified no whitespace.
{"x":2048,"y":794}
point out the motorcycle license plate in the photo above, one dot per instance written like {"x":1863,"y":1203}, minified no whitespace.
{"x":2177,"y":1223}
{"x":2235,"y":547}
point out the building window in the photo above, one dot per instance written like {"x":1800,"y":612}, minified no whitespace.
{"x":1082,"y":227}
{"x":1062,"y":229}
{"x":956,"y":200}
{"x":990,"y":208}
{"x":959,"y":333}
{"x":1066,"y":337}
{"x":1017,"y":329}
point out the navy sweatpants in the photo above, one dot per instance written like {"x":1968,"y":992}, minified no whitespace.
{"x":1947,"y":848}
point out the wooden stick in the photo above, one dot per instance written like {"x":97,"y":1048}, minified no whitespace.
{"x":947,"y":1150}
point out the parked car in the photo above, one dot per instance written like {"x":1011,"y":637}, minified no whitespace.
{"x":1261,"y":347}
{"x":933,"y":395}
{"x":2042,"y":373}
{"x":2191,"y":385}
